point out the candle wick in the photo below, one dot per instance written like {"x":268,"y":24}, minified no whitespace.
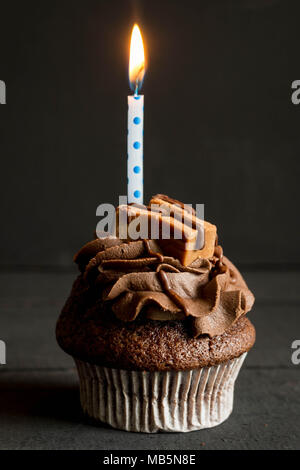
{"x":136,"y":91}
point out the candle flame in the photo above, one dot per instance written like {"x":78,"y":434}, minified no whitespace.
{"x":136,"y":59}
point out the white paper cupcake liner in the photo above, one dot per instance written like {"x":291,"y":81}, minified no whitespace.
{"x":170,"y":401}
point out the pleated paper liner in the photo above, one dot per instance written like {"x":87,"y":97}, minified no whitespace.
{"x":169,"y":401}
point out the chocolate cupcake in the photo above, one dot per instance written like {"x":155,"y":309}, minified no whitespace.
{"x":158,"y":339}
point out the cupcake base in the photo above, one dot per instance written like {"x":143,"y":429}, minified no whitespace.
{"x":169,"y":401}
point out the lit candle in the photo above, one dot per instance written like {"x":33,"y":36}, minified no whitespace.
{"x":135,"y":119}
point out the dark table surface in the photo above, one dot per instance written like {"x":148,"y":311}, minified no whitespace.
{"x":39,"y":399}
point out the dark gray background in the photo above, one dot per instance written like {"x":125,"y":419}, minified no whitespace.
{"x":220,"y":127}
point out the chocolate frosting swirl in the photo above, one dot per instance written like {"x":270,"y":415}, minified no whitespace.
{"x":136,"y":278}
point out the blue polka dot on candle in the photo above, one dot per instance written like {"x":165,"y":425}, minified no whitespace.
{"x":136,"y":145}
{"x":137,"y":120}
{"x":137,"y":169}
{"x":137,"y":97}
{"x":137,"y":194}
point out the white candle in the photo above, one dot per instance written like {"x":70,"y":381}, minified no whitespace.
{"x":135,"y":148}
{"x":135,"y":120}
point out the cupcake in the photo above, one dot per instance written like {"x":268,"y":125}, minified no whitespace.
{"x":157,"y":328}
